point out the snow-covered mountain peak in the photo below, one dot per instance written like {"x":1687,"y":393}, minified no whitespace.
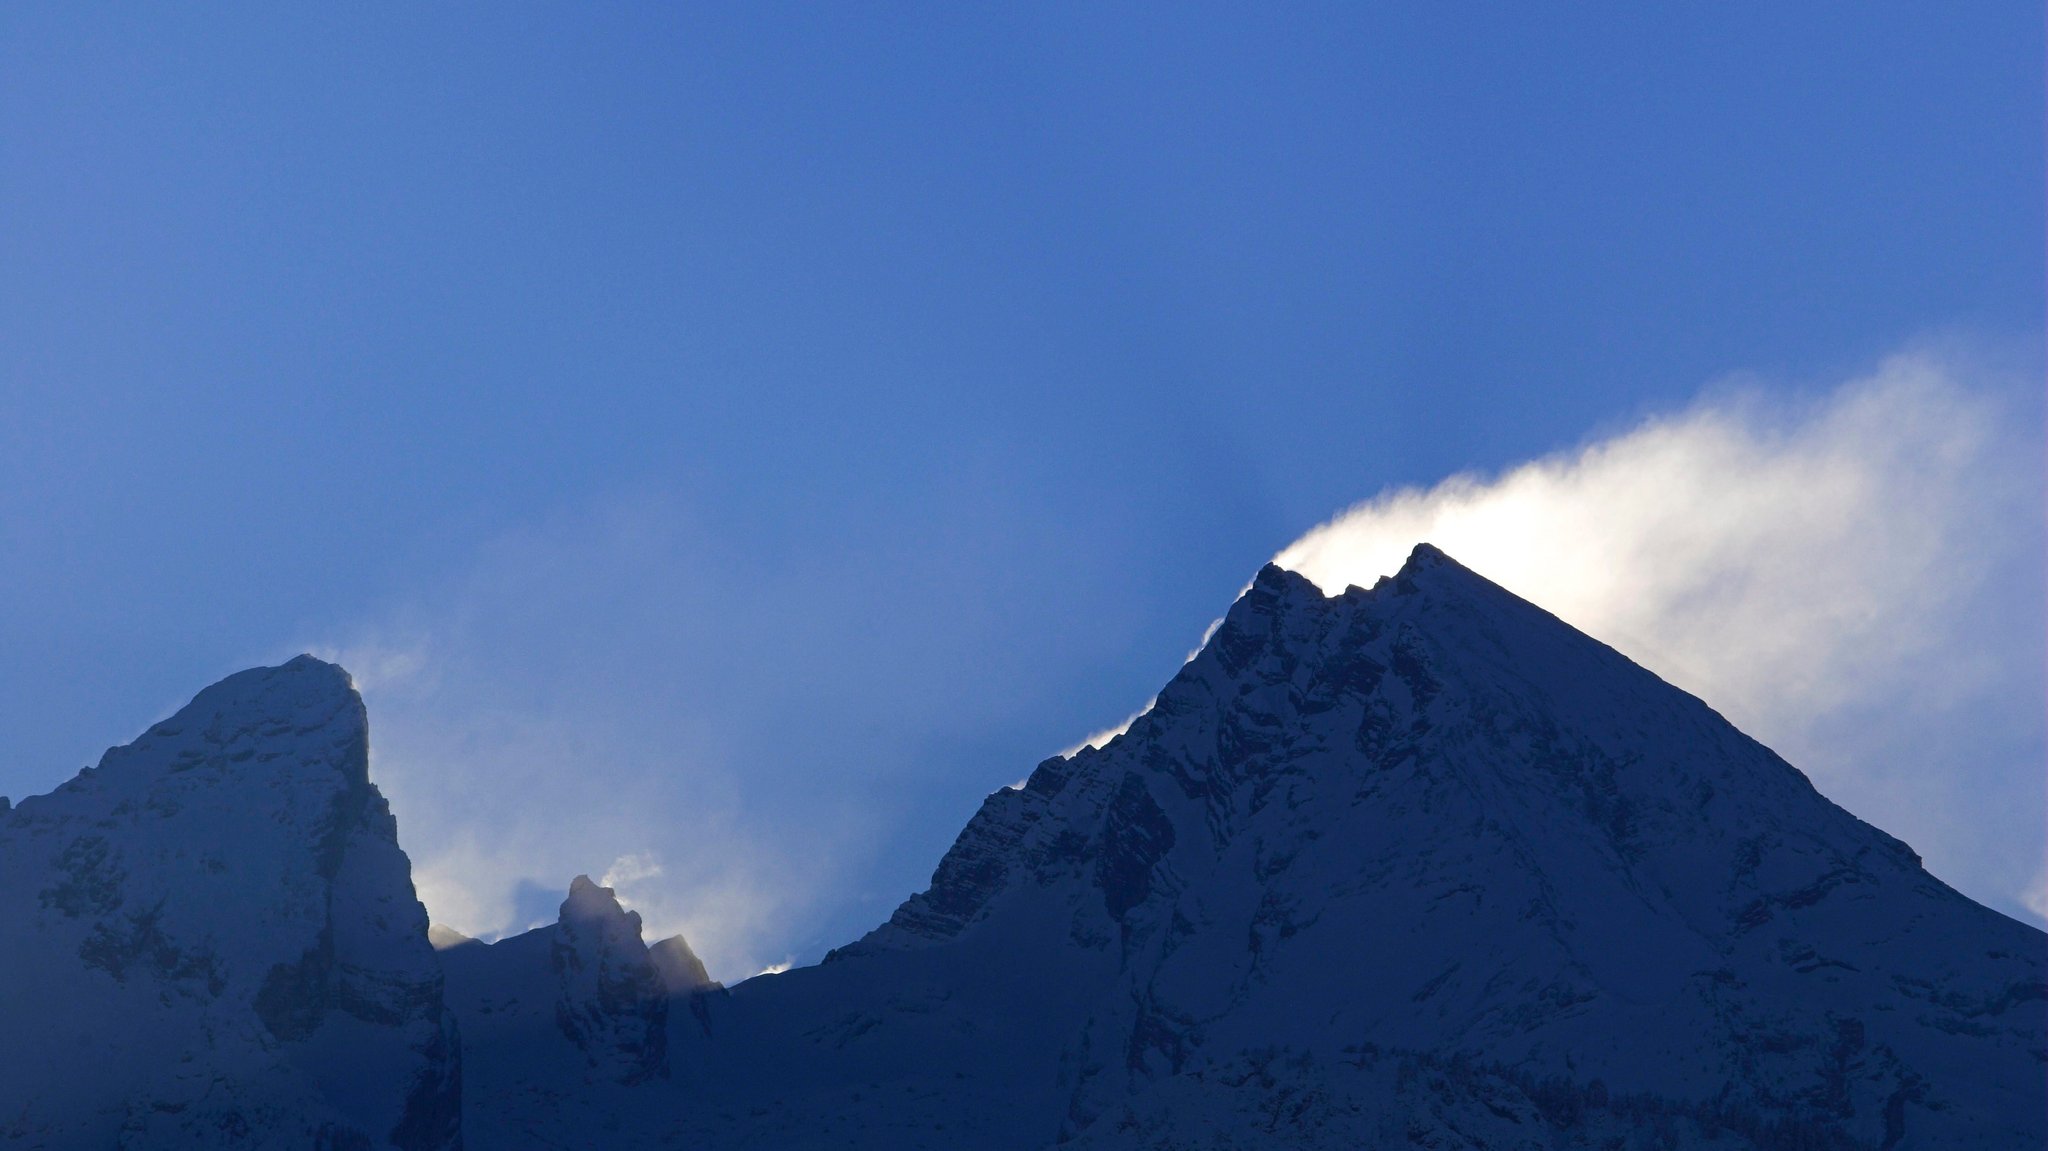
{"x":225,"y":892}
{"x":1415,"y":864}
{"x":1429,"y":815}
{"x":302,"y":716}
{"x":1285,"y":586}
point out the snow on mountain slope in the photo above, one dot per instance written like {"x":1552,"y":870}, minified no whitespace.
{"x":212,"y":940}
{"x":1411,"y":866}
{"x":1419,"y":865}
{"x":1432,"y":817}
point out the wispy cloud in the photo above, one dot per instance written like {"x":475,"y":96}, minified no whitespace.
{"x":738,"y":742}
{"x":628,"y":870}
{"x":501,"y":799}
{"x":628,"y":688}
{"x":2035,"y":897}
{"x":1854,"y":578}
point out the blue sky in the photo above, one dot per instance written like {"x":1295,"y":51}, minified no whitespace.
{"x":738,"y":440}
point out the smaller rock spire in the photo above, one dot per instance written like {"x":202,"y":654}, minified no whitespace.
{"x":613,"y":1005}
{"x":680,"y":969}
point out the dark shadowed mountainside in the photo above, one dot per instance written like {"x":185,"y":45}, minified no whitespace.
{"x":1418,"y":865}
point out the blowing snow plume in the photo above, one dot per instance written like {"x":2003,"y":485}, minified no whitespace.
{"x":1856,"y":581}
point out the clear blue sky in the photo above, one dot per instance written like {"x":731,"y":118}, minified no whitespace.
{"x":889,"y":395}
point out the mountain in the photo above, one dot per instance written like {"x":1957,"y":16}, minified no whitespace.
{"x":212,"y":940}
{"x":1418,"y":865}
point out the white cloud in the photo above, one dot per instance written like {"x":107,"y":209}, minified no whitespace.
{"x":499,"y":807}
{"x":1854,"y":579}
{"x":510,"y":773}
{"x":628,"y":685}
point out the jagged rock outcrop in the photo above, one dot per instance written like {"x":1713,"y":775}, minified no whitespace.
{"x":580,"y":1006}
{"x":612,"y":1004}
{"x":213,"y":940}
{"x":680,"y":970}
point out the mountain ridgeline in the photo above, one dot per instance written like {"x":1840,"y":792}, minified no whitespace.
{"x":1414,"y":866}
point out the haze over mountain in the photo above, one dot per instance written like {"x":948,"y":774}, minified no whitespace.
{"x":1414,"y":865}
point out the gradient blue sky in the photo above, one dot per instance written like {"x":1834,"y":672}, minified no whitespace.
{"x":789,"y":423}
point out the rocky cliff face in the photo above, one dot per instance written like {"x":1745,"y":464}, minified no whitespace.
{"x":583,"y":988}
{"x":560,"y":1020}
{"x":1429,"y":826}
{"x":613,"y":1002}
{"x":213,"y":940}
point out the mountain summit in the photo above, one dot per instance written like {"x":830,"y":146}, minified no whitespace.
{"x":1414,"y":865}
{"x":1418,"y":865}
{"x":212,"y":940}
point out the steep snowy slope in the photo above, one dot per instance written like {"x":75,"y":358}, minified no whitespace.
{"x":1432,"y":817}
{"x":1417,"y":865}
{"x":211,"y":940}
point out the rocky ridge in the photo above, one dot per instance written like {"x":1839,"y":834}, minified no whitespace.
{"x":1414,"y":865}
{"x":1432,"y":817}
